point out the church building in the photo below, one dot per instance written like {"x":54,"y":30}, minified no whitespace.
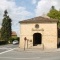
{"x":38,"y":32}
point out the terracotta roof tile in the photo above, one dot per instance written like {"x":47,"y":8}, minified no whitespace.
{"x":14,"y":33}
{"x":39,"y":20}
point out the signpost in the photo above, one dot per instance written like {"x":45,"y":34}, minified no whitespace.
{"x":25,"y":42}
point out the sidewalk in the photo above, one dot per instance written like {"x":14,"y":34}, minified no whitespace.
{"x":37,"y":50}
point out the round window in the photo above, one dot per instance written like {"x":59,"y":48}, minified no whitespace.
{"x":36,"y":26}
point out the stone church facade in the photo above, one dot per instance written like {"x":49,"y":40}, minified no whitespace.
{"x":39,"y":32}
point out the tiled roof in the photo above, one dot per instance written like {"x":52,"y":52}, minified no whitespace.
{"x":39,"y":20}
{"x":14,"y":33}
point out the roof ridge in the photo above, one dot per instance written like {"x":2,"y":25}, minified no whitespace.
{"x":39,"y":19}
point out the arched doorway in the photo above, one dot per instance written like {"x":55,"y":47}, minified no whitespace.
{"x":37,"y":37}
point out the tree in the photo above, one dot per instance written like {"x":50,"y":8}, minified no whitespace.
{"x":0,"y":34}
{"x":6,"y":27}
{"x":55,"y":14}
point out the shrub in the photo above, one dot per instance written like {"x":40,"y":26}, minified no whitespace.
{"x":12,"y":39}
{"x":3,"y":42}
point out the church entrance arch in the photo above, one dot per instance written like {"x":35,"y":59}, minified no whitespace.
{"x":37,"y":39}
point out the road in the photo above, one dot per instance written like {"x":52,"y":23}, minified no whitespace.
{"x":12,"y":54}
{"x":7,"y":47}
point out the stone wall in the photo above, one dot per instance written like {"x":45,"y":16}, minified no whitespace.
{"x":48,"y":31}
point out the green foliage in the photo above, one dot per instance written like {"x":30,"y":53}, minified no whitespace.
{"x":2,"y":42}
{"x":6,"y":27}
{"x":0,"y":34}
{"x":55,"y":14}
{"x":14,"y":36}
{"x":12,"y":39}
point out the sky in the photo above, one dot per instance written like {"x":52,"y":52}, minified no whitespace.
{"x":19,"y":10}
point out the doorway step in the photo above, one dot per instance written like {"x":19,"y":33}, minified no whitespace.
{"x":39,"y":46}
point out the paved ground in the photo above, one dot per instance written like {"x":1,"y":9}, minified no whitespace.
{"x":7,"y":47}
{"x":14,"y":54}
